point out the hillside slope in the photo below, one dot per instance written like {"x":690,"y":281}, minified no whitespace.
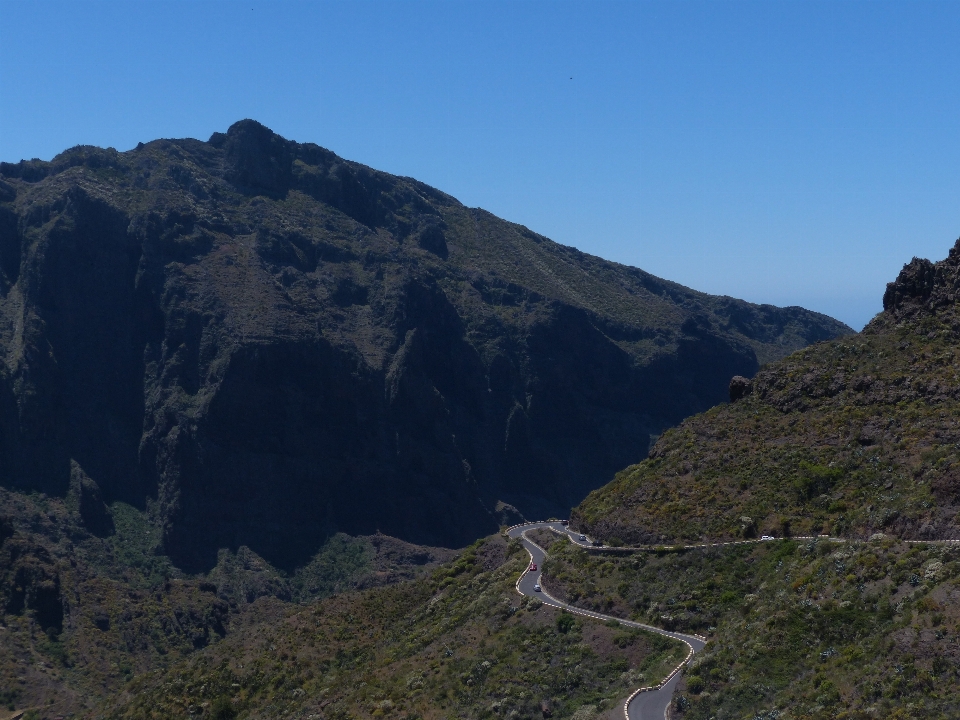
{"x":798,"y":630}
{"x":460,"y":643}
{"x":850,"y":437}
{"x":260,"y":343}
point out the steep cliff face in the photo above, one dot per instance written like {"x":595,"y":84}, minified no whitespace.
{"x":262,"y":344}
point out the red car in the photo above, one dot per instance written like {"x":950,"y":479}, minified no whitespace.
{"x":533,"y":567}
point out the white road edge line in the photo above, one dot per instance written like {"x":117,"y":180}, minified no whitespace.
{"x":647,"y":548}
{"x":600,"y":616}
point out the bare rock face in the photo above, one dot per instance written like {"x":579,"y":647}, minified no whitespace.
{"x":93,"y":511}
{"x":924,"y":287}
{"x":740,"y":387}
{"x":264,"y":344}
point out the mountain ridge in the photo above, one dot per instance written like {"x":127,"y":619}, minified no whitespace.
{"x":854,"y":436}
{"x":259,"y":343}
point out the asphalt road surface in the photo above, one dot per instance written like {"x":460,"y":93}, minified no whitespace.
{"x":648,"y":705}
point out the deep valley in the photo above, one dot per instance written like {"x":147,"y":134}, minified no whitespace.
{"x":266,"y":414}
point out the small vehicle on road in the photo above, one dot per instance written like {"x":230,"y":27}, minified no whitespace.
{"x":533,"y":567}
{"x":564,"y":522}
{"x":582,"y":538}
{"x":536,"y":587}
{"x":767,"y":537}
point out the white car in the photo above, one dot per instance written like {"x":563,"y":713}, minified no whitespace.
{"x":767,"y":537}
{"x":536,"y":588}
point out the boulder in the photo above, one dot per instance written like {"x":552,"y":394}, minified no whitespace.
{"x":740,"y":387}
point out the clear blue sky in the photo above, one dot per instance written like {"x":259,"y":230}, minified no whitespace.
{"x":796,"y":153}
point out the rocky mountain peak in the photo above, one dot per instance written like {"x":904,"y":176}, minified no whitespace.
{"x":924,"y":287}
{"x":257,"y":160}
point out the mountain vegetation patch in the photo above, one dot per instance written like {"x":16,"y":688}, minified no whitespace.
{"x":850,"y":438}
{"x":803,"y":629}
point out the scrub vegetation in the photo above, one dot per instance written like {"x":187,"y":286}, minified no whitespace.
{"x":460,"y":643}
{"x":849,"y":437}
{"x":82,"y":616}
{"x":797,"y":629}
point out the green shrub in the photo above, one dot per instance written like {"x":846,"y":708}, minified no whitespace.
{"x":565,"y":622}
{"x":222,"y":709}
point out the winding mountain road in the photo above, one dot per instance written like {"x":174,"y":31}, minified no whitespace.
{"x":645,"y":703}
{"x":649,"y":703}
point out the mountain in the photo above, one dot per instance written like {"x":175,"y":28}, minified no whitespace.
{"x":258,"y":343}
{"x":857,"y":438}
{"x":851,"y":437}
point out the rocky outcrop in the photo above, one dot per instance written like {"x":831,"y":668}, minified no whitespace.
{"x":93,"y":511}
{"x":740,"y":387}
{"x":262,"y":344}
{"x":924,"y":287}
